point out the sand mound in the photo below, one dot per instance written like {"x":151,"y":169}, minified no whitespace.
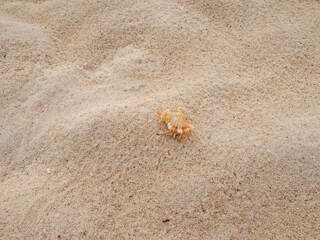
{"x":80,"y":157}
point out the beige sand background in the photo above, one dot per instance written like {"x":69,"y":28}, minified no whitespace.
{"x":80,"y":158}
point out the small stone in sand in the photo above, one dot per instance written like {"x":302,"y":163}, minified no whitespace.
{"x":135,"y":86}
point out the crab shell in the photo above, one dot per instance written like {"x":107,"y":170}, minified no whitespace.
{"x":176,"y":121}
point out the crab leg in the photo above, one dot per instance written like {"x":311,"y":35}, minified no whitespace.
{"x":165,"y":133}
{"x":179,"y":136}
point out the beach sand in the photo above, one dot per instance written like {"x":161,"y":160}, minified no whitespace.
{"x":80,"y":157}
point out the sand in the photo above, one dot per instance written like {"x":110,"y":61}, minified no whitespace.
{"x":80,"y":157}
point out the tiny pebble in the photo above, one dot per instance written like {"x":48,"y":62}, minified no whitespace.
{"x":227,"y":43}
{"x":135,"y":86}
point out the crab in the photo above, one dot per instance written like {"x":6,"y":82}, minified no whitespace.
{"x":176,"y":122}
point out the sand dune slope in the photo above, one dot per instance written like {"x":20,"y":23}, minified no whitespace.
{"x":80,"y":157}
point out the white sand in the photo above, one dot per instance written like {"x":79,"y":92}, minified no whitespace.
{"x":80,"y":157}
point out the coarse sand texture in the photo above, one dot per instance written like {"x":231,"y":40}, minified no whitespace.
{"x":81,"y":83}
